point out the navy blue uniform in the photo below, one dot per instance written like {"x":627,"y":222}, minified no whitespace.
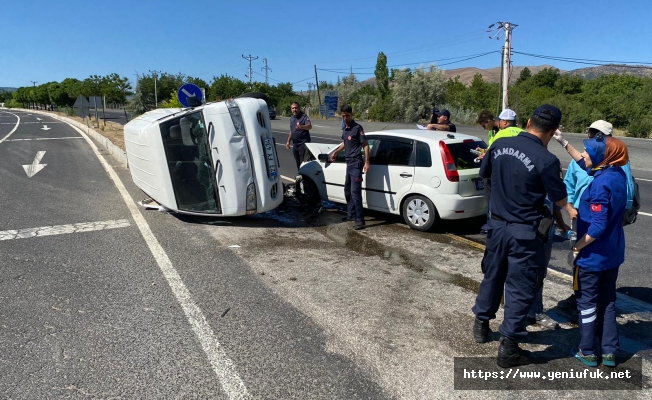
{"x":522,"y":172}
{"x":353,"y":137}
{"x":299,"y":137}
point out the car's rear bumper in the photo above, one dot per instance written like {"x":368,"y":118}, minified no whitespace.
{"x":457,"y":207}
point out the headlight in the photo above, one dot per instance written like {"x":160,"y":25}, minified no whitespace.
{"x":236,"y":117}
{"x":251,"y":199}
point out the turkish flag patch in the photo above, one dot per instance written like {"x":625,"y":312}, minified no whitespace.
{"x":349,"y":137}
{"x":596,"y":207}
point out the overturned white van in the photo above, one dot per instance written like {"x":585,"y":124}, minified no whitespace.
{"x":217,"y":159}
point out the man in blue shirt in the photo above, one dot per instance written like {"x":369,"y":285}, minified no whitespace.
{"x":353,"y":142}
{"x":522,"y":173}
{"x":300,"y":127}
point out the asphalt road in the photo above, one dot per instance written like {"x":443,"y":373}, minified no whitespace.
{"x":92,"y":305}
{"x":102,"y":299}
{"x":634,"y":279}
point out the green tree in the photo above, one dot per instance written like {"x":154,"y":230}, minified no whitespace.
{"x":524,"y":75}
{"x":382,"y":76}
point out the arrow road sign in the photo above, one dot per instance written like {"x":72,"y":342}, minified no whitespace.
{"x":45,"y":128}
{"x":188,"y":90}
{"x":39,"y":119}
{"x":35,"y":166}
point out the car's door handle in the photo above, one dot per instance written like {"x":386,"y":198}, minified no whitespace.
{"x":404,"y":175}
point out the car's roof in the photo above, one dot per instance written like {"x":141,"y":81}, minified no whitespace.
{"x":423,"y":135}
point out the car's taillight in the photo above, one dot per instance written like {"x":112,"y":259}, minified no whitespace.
{"x":449,"y":163}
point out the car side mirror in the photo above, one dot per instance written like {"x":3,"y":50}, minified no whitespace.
{"x":323,"y":157}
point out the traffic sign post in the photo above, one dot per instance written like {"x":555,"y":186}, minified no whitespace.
{"x":188,"y":90}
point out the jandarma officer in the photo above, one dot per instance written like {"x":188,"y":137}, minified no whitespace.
{"x":353,"y":142}
{"x":522,"y":172}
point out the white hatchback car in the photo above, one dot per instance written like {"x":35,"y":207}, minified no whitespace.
{"x":422,"y":175}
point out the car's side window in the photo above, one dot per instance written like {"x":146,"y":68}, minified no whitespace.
{"x":392,"y":151}
{"x":423,"y":158}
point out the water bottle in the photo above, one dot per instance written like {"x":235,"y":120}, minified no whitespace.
{"x":571,"y":235}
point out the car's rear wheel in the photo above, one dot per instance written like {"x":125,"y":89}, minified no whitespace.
{"x":419,"y":213}
{"x":306,"y":191}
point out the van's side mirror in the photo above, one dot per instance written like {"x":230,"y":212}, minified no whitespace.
{"x":323,"y":157}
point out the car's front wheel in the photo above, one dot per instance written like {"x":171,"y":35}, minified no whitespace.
{"x":306,"y":190}
{"x":419,"y":213}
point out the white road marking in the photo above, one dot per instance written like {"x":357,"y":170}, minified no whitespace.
{"x":46,"y":138}
{"x":646,"y":214}
{"x":33,"y":168}
{"x":63,"y":229}
{"x":222,"y":365}
{"x":641,"y":179}
{"x":287,"y":179}
{"x":15,"y":127}
{"x":30,"y":122}
{"x":45,"y":128}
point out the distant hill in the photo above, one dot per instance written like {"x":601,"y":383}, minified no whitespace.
{"x":8,"y":89}
{"x":594,"y":72}
{"x":491,"y":74}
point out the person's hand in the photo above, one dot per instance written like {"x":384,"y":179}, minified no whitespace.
{"x":332,"y":157}
{"x":287,"y":145}
{"x":572,"y":212}
{"x":365,"y":169}
{"x":572,"y":257}
{"x":298,"y":125}
{"x":560,"y":139}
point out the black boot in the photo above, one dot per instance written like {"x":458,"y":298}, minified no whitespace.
{"x":510,"y":355}
{"x":481,"y":331}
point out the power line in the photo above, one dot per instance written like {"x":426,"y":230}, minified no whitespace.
{"x":599,"y":62}
{"x":463,"y":58}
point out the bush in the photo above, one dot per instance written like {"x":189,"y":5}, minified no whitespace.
{"x":69,"y":111}
{"x":640,"y":128}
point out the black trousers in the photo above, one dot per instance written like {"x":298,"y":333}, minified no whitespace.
{"x":299,"y":151}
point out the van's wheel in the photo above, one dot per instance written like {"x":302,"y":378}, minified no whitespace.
{"x":306,"y":191}
{"x":419,"y":213}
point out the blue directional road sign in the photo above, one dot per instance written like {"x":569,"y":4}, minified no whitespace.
{"x":187,"y":90}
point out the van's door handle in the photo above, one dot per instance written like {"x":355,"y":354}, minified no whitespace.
{"x":405,"y":175}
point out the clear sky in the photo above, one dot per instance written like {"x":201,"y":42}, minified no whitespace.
{"x":51,"y":40}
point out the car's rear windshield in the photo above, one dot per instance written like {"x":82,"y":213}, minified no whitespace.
{"x":461,"y":153}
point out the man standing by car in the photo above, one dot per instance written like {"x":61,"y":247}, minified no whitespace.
{"x":507,"y":125}
{"x":443,"y":122}
{"x":353,"y":142}
{"x":522,"y":173}
{"x":300,"y":127}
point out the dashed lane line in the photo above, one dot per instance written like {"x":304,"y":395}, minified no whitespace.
{"x":287,"y":178}
{"x":51,"y":138}
{"x":63,"y":229}
{"x":223,"y":367}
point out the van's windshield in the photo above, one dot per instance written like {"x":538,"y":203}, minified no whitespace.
{"x":190,"y":163}
{"x":461,"y":153}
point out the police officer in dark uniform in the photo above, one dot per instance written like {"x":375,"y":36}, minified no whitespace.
{"x":353,"y":142}
{"x":300,"y":127}
{"x":521,"y":172}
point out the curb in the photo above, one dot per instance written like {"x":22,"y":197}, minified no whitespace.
{"x":119,"y":154}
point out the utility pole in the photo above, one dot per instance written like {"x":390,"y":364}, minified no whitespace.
{"x":506,"y":28}
{"x":250,"y":58}
{"x":155,"y":74}
{"x":317,"y":85}
{"x":34,"y":82}
{"x":267,"y":70}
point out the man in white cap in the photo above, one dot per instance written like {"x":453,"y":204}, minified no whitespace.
{"x":507,"y":125}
